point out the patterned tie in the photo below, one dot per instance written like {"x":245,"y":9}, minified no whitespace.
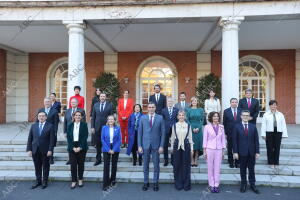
{"x":234,"y":116}
{"x":40,"y":128}
{"x":151,"y":119}
{"x":170,"y":112}
{"x":249,"y":103}
{"x":246,"y":129}
{"x":157,"y":98}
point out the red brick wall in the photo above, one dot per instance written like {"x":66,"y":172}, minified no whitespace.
{"x":283,"y":63}
{"x":2,"y":86}
{"x":185,"y":63}
{"x":39,"y":64}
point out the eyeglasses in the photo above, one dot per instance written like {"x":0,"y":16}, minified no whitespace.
{"x":245,"y":115}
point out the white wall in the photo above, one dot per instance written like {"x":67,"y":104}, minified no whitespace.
{"x":17,"y":88}
{"x":203,"y":64}
{"x":297,"y":87}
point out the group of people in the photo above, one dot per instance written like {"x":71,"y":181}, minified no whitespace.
{"x":189,"y":130}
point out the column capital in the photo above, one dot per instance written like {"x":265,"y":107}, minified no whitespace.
{"x":230,"y":22}
{"x":74,"y":24}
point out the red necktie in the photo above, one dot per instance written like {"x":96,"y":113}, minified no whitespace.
{"x":249,"y":103}
{"x":246,"y":129}
{"x":151,"y":121}
{"x":234,"y":116}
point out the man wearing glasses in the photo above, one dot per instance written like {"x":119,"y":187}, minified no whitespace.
{"x":246,"y":150}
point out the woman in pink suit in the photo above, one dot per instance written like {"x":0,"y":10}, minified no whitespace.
{"x":125,"y":106}
{"x":214,"y":144}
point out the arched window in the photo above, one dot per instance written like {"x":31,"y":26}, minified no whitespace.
{"x":156,"y":70}
{"x":61,"y":84}
{"x":255,"y":73}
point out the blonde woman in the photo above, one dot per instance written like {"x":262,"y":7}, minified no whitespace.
{"x":194,"y":117}
{"x":111,"y":142}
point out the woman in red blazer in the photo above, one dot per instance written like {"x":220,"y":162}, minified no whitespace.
{"x":125,"y":106}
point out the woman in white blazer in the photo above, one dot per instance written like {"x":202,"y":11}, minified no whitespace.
{"x":273,"y":129}
{"x":212,"y":104}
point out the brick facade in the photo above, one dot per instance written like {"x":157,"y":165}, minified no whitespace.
{"x":283,"y":63}
{"x":39,"y":64}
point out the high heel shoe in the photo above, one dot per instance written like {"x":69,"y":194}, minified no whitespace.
{"x":73,"y":186}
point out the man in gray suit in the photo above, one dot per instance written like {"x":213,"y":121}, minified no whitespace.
{"x":69,"y":117}
{"x":151,"y":136}
{"x":182,"y":104}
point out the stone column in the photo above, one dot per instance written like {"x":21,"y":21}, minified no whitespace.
{"x":76,"y":68}
{"x":230,"y":59}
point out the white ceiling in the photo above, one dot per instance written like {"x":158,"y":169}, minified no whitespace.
{"x":175,"y":36}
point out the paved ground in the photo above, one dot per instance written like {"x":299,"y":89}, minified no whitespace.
{"x":123,"y":191}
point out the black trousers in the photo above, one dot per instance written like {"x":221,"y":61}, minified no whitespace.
{"x":135,"y":148}
{"x":273,"y":142}
{"x":182,"y":169}
{"x":229,"y":151}
{"x":166,"y":144}
{"x":98,"y":145}
{"x":107,"y":178}
{"x":41,"y":165}
{"x":77,"y":164}
{"x":247,"y":162}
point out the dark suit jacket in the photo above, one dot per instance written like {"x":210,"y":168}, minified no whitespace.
{"x":45,"y":142}
{"x":229,"y":122}
{"x":52,"y":118}
{"x":68,"y":118}
{"x":82,"y":138}
{"x":169,"y":121}
{"x":57,"y":106}
{"x":161,"y":104}
{"x":243,"y":144}
{"x":254,"y":109}
{"x":99,"y":118}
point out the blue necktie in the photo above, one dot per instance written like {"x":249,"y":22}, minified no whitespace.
{"x":102,"y":105}
{"x":40,"y":129}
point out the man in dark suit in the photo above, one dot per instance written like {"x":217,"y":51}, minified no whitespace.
{"x":251,"y":104}
{"x":158,"y":99}
{"x":100,"y":113}
{"x":69,"y":117}
{"x":151,"y":137}
{"x":246,"y":149}
{"x":170,"y":117}
{"x":231,"y":117}
{"x":40,"y":146}
{"x":53,"y":118}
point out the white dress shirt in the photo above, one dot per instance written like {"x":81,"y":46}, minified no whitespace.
{"x":268,"y":120}
{"x":111,"y":134}
{"x":212,"y":105}
{"x":76,"y":131}
{"x":232,"y":110}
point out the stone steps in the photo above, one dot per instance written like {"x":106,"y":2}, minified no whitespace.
{"x":128,"y":167}
{"x":137,"y":177}
{"x":90,"y":157}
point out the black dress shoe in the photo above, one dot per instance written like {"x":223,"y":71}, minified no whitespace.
{"x":237,"y":165}
{"x":254,"y":189}
{"x":51,"y":160}
{"x":155,"y":187}
{"x":145,"y":186}
{"x":231,"y":165}
{"x":243,"y":188}
{"x":98,"y":162}
{"x":36,"y":184}
{"x":68,"y":162}
{"x":113,"y":183}
{"x":45,"y":184}
{"x":166,"y":163}
{"x":134,"y":162}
